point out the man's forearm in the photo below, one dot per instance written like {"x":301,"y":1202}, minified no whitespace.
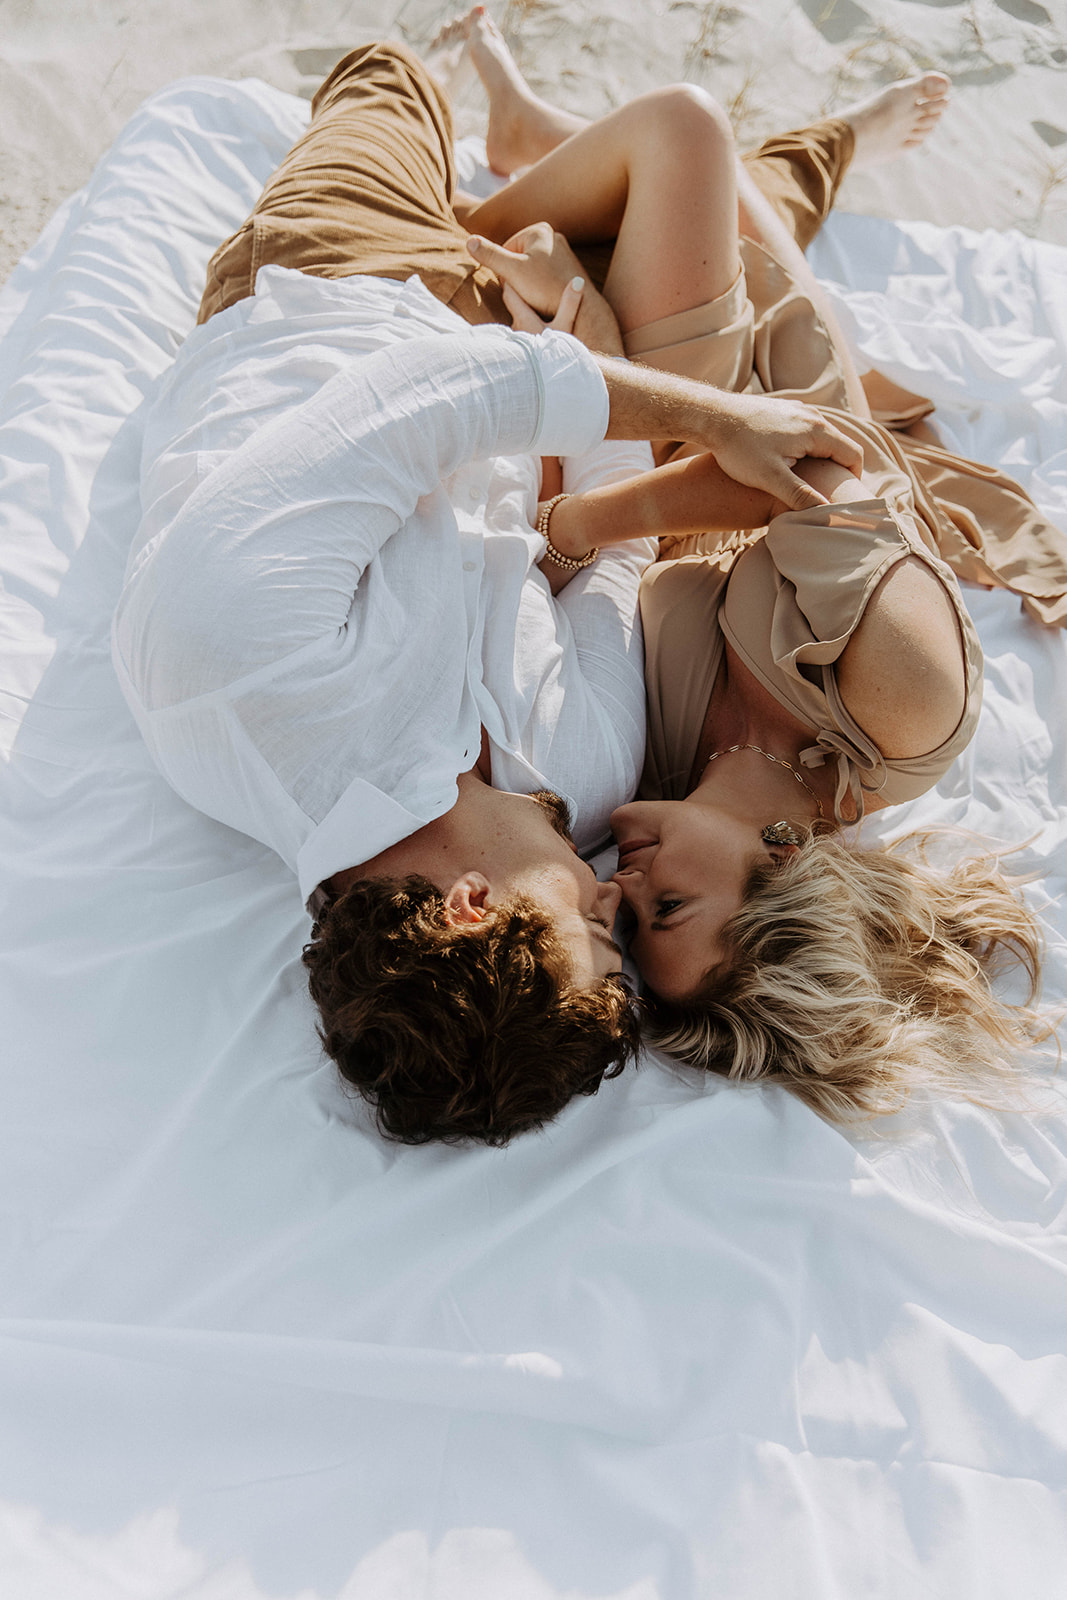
{"x":756,"y":439}
{"x":648,"y":404}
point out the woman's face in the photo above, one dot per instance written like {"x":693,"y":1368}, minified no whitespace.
{"x":683,"y":866}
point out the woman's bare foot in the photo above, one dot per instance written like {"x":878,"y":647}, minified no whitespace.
{"x":897,"y":118}
{"x":522,"y":127}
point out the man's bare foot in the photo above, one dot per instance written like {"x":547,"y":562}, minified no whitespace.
{"x":448,"y":57}
{"x":896,"y":119}
{"x":522,"y":127}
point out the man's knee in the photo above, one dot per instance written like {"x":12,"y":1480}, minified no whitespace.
{"x":385,"y":65}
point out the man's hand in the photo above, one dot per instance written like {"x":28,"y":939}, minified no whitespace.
{"x":756,"y":439}
{"x":535,"y":267}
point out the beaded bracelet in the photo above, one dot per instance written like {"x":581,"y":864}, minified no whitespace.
{"x":568,"y":563}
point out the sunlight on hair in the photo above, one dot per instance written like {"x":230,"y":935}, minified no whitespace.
{"x":858,"y":977}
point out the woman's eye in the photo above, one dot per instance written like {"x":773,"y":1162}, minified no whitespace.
{"x":665,"y":907}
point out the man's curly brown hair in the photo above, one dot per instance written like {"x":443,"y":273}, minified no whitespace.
{"x":456,"y":1033}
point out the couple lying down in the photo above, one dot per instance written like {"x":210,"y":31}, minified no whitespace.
{"x":381,"y":613}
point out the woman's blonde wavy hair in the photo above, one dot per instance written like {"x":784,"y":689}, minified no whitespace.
{"x":853,"y":976}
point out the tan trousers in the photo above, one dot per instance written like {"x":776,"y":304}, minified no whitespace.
{"x":368,"y":189}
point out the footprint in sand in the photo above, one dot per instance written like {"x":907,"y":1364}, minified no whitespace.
{"x":316,"y":63}
{"x":1026,"y":11}
{"x":982,"y":77}
{"x":836,"y":20}
{"x":1048,"y":131}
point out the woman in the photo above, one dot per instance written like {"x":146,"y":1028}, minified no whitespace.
{"x":819,"y":665}
{"x":832,"y":670}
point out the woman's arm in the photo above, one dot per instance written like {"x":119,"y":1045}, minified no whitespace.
{"x":902,"y":675}
{"x":690,"y":496}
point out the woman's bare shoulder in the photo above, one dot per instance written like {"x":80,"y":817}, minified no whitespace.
{"x":903,"y":674}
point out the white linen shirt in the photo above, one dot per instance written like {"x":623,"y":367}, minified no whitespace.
{"x":334,"y":587}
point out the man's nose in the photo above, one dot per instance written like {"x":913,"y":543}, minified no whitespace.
{"x":609,"y":899}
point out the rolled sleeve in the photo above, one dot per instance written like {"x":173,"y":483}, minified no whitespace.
{"x":574,"y":415}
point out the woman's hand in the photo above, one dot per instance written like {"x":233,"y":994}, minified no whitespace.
{"x":525,"y":318}
{"x":536,"y":268}
{"x":537,"y":262}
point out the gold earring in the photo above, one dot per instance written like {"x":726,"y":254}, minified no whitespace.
{"x":780,"y":833}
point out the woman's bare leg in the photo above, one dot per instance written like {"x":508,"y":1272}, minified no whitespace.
{"x":658,"y":177}
{"x":759,"y":221}
{"x":523,"y":127}
{"x":897,"y":118}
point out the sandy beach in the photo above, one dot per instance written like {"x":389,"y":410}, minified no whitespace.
{"x":72,"y":71}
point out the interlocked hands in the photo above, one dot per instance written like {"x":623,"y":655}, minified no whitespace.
{"x":545,"y":287}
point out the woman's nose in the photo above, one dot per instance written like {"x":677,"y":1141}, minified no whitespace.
{"x":626,"y":884}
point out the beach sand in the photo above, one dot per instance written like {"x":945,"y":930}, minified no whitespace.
{"x":72,"y":71}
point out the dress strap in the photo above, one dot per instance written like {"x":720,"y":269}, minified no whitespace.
{"x":860,"y":768}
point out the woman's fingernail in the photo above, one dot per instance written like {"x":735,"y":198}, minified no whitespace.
{"x":474,"y":243}
{"x":577,"y":284}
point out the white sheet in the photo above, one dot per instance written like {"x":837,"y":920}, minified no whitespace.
{"x":690,"y":1341}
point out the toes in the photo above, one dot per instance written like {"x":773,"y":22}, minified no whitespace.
{"x":446,"y":34}
{"x":481,"y":19}
{"x":933,"y":86}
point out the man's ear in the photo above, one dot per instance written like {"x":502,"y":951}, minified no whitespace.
{"x":468,"y":899}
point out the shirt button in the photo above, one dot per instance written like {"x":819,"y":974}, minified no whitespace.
{"x":476,"y":494}
{"x":469,"y":566}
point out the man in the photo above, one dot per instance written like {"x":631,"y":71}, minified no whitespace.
{"x":334,"y":636}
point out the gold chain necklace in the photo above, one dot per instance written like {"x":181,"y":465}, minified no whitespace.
{"x":777,"y":761}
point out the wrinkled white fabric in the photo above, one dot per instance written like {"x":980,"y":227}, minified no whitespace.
{"x":688,"y":1343}
{"x":975,"y":321}
{"x":334,"y":586}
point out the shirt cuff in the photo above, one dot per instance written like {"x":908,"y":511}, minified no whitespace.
{"x":574,"y":415}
